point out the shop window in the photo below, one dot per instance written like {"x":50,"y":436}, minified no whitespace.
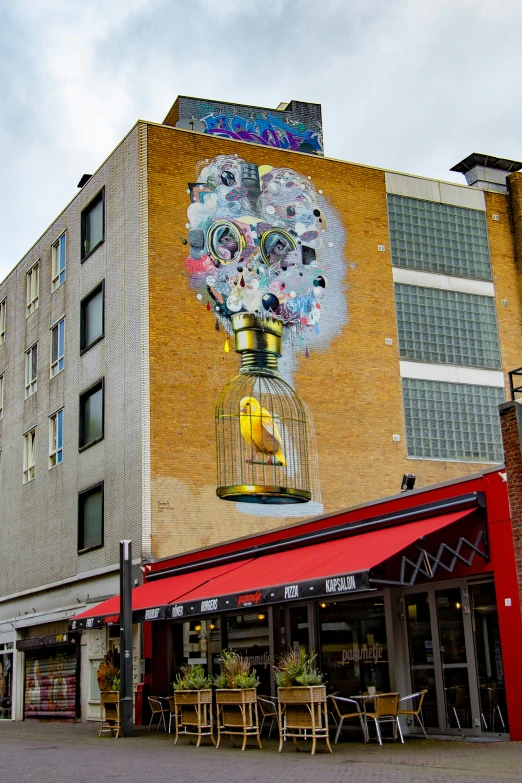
{"x":452,"y":421}
{"x":90,"y":519}
{"x":6,"y":676}
{"x":92,"y":317}
{"x":55,"y":439}
{"x":93,"y":225}
{"x":32,"y":282}
{"x":57,"y":347}
{"x":435,"y":237}
{"x":94,"y":693}
{"x":29,"y":454}
{"x":92,"y":415}
{"x":199,"y":641}
{"x":354,"y":649}
{"x":31,"y":370}
{"x":58,"y":262}
{"x":3,"y":311}
{"x":248,"y":634}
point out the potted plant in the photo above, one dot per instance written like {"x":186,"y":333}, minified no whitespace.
{"x":236,"y":698}
{"x":193,"y":702}
{"x":301,"y":698}
{"x":108,"y":672}
{"x":108,"y":676}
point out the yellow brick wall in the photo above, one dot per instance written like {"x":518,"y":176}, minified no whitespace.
{"x":353,"y":388}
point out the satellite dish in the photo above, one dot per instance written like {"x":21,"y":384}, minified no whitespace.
{"x":192,"y":125}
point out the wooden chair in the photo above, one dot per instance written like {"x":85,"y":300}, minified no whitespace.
{"x":385,"y":710}
{"x":415,"y":713}
{"x":157,"y":708}
{"x":110,"y":713}
{"x":342,"y":709}
{"x":268,"y":710}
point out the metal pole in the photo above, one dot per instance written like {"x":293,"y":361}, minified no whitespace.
{"x":126,"y":716}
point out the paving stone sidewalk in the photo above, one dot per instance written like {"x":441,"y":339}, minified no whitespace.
{"x":33,"y":752}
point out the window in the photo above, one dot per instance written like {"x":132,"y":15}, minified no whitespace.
{"x":452,"y":421}
{"x":32,"y":285}
{"x":55,"y":438}
{"x":92,"y":317}
{"x":29,"y":441}
{"x":91,"y":415}
{"x":92,"y":225}
{"x":438,"y":237}
{"x":58,"y":263}
{"x":2,"y":320}
{"x":31,"y":370}
{"x":447,"y":327}
{"x":90,"y":518}
{"x":57,"y":347}
{"x":1,"y":395}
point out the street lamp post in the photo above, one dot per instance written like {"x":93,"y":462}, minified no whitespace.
{"x":126,"y":717}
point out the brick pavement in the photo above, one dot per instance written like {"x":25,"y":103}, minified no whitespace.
{"x":62,"y":753}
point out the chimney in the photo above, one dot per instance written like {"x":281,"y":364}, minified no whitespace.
{"x":486,"y":171}
{"x":511,"y":425}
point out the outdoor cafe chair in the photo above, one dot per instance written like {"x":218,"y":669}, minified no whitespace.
{"x":268,"y":710}
{"x":415,"y":713}
{"x":342,"y":709}
{"x":489,"y":702}
{"x":172,"y":711}
{"x":457,"y":700}
{"x":385,"y":710}
{"x":157,"y":708}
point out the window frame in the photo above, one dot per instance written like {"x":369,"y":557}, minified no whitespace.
{"x":32,"y":298}
{"x":55,"y":435}
{"x":3,"y":319}
{"x":99,"y":288}
{"x":81,"y":412}
{"x":2,"y":395}
{"x":99,"y":196}
{"x":31,"y":382}
{"x":85,"y":493}
{"x":59,"y":361}
{"x":57,"y":273}
{"x":29,"y":451}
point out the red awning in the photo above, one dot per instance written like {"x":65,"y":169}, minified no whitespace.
{"x":339,"y":566}
{"x":150,"y":596}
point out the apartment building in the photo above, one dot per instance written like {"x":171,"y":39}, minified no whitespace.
{"x":381,"y":307}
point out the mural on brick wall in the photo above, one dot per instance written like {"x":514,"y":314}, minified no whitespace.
{"x":266,"y":257}
{"x":264,"y":129}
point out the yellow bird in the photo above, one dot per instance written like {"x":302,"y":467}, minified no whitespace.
{"x":260,"y":430}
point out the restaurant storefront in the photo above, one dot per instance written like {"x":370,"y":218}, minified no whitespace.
{"x":411,"y":592}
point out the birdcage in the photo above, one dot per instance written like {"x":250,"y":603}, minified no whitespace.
{"x":264,"y":433}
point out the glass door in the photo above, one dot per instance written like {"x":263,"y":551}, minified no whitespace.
{"x":422,"y":647}
{"x":490,"y":672}
{"x":454,"y":659}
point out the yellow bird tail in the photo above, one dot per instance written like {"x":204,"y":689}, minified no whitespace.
{"x":280,"y":457}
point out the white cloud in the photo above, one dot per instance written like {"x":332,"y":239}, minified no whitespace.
{"x":408,"y":85}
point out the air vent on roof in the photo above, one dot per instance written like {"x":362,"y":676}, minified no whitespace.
{"x":84,"y":180}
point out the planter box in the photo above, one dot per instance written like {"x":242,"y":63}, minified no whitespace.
{"x":237,"y":713}
{"x":302,"y":714}
{"x":110,"y":712}
{"x":298,"y":694}
{"x":193,"y":714}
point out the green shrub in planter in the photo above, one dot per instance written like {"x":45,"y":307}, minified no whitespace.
{"x":192,"y":677}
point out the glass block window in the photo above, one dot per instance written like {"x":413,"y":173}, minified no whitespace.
{"x":439,"y":238}
{"x":448,"y":327}
{"x":452,"y":421}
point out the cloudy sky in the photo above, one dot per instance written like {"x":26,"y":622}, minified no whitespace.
{"x":410,"y":85}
